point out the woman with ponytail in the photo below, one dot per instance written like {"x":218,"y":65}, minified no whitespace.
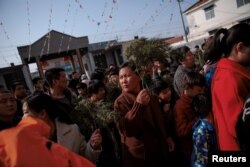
{"x":230,"y":50}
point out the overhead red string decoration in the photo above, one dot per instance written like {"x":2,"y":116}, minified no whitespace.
{"x":64,"y":27}
{"x":28,"y":18}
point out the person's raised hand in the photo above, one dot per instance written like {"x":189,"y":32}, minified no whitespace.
{"x":143,"y":97}
{"x":96,"y":139}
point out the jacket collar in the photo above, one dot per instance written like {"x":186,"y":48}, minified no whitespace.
{"x":62,"y":128}
{"x":185,"y":98}
{"x":204,"y":123}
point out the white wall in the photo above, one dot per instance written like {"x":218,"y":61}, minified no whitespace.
{"x":226,"y":15}
{"x":109,"y":58}
{"x":86,"y":61}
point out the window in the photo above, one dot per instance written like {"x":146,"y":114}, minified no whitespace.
{"x":212,"y":32}
{"x":246,"y":21}
{"x":119,"y":55}
{"x":242,"y":2}
{"x":14,"y":76}
{"x":209,"y":12}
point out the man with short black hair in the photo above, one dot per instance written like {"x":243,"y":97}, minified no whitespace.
{"x":57,"y":80}
{"x":199,"y":56}
{"x":74,"y":81}
{"x":37,"y":85}
{"x":58,"y":89}
{"x":20,"y":92}
{"x":113,"y":88}
{"x":8,"y":109}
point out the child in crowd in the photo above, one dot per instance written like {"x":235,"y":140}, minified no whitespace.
{"x":82,"y":90}
{"x":204,"y":138}
{"x":184,"y":114}
{"x":164,"y":93}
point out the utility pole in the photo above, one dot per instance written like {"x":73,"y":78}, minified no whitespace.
{"x":185,"y":32}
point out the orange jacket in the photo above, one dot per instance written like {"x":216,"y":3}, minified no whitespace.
{"x":27,"y":145}
{"x":230,"y":87}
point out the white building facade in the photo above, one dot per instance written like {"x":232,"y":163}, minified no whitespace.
{"x":205,"y":17}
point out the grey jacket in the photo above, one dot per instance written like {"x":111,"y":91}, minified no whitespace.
{"x":179,"y":80}
{"x":70,"y":137}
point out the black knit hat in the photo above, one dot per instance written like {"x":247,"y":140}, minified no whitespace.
{"x":158,"y":85}
{"x":201,"y":105}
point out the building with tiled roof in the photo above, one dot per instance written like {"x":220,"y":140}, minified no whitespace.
{"x":56,"y":49}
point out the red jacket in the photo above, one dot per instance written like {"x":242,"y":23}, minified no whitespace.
{"x":184,"y":118}
{"x":27,"y":145}
{"x":230,"y":87}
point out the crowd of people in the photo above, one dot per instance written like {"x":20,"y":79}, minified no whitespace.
{"x":124,"y":117}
